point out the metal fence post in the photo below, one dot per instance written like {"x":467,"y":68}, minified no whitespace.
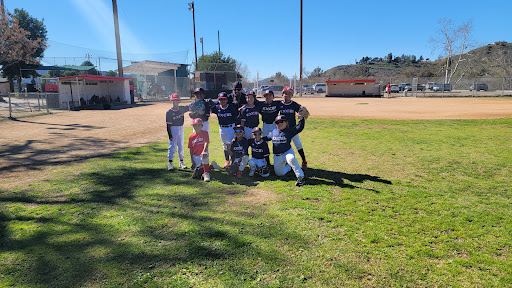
{"x":10,"y":106}
{"x":46,"y":102}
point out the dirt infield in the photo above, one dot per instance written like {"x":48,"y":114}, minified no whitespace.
{"x":33,"y":146}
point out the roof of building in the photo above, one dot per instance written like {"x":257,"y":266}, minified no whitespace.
{"x":95,"y":77}
{"x":352,"y":81}
{"x":149,"y":67}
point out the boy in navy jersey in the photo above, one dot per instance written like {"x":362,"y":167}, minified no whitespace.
{"x":260,"y":154}
{"x":239,"y":150}
{"x":249,"y":115}
{"x":269,"y":109}
{"x":226,"y":114}
{"x":284,"y":156}
{"x":288,"y":109}
{"x":174,"y":119}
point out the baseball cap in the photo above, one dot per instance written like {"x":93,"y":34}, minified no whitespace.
{"x":238,"y":85}
{"x":197,"y":121}
{"x":250,"y":93}
{"x":222,"y":95}
{"x":256,"y":130}
{"x":280,"y":118}
{"x":175,"y":96}
{"x":268,"y":92}
{"x":238,"y":127}
{"x":197,"y":90}
{"x":288,"y":89}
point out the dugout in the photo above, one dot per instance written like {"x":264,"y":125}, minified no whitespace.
{"x":353,"y":88}
{"x":83,"y":90}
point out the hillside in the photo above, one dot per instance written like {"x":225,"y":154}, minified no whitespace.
{"x":493,"y":60}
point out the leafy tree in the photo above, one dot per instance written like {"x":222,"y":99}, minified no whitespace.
{"x":111,"y":73}
{"x":23,"y":41}
{"x":216,"y":61}
{"x":389,"y":58}
{"x":317,"y":72}
{"x":280,"y":78}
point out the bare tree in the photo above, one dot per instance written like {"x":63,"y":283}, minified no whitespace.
{"x":454,"y":41}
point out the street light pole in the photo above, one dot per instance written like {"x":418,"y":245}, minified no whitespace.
{"x":192,"y":8}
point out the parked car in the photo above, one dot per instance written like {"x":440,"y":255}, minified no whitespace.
{"x":320,"y":87}
{"x":277,"y":89}
{"x":306,"y":88}
{"x":479,"y":86}
{"x":442,"y":87}
{"x":394,"y":88}
{"x":430,"y":85}
{"x":419,"y":87}
{"x":402,"y":86}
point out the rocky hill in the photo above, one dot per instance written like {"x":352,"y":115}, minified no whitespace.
{"x":493,"y":60}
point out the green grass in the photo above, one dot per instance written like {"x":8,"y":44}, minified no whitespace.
{"x":387,"y":204}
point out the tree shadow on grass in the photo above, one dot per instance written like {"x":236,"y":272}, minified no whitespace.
{"x":112,"y":225}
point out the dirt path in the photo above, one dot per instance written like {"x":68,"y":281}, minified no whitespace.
{"x":31,"y":146}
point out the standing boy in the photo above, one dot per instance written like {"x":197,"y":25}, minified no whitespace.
{"x":198,"y":145}
{"x":284,"y":156}
{"x":174,"y":119}
{"x":249,"y":115}
{"x":226,"y":114}
{"x":260,"y":154}
{"x":239,"y":150}
{"x":288,"y":109}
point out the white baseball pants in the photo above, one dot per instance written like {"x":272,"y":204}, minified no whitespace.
{"x":243,"y":162}
{"x":286,"y":162}
{"x":226,"y":135}
{"x":177,"y":142}
{"x":198,"y":160}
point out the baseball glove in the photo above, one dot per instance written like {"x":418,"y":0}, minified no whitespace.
{"x":232,"y":169}
{"x":197,"y":109}
{"x":198,"y":172}
{"x":303,"y":111}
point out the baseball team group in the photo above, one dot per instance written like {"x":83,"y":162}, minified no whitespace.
{"x":239,"y":128}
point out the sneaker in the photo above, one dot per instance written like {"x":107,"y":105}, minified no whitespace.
{"x":214,"y":165}
{"x":206,"y":177}
{"x":239,"y":174}
{"x":251,"y":173}
{"x":182,"y":165}
{"x":304,"y":165}
{"x":170,"y":166}
{"x":226,"y":164}
{"x":300,"y":181}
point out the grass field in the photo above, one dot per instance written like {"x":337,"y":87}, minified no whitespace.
{"x":387,"y":204}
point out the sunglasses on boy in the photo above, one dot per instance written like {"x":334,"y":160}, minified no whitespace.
{"x":256,"y":133}
{"x":238,"y":131}
{"x":280,"y":121}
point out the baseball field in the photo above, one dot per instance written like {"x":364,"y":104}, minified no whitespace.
{"x":400,"y":192}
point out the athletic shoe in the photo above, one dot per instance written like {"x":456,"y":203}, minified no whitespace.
{"x":251,"y":173}
{"x":214,"y":165}
{"x":226,"y":164}
{"x":300,"y":181}
{"x":304,"y":165}
{"x":182,"y":165}
{"x":239,"y":174}
{"x":170,"y":166}
{"x":206,"y":177}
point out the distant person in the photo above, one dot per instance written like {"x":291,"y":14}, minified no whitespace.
{"x":388,"y":89}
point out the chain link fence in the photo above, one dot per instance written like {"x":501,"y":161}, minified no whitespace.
{"x":15,"y":105}
{"x":460,"y":87}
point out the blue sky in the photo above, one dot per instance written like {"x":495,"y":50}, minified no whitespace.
{"x":262,"y":34}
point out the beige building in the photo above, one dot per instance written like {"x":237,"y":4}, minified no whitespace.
{"x":364,"y":87}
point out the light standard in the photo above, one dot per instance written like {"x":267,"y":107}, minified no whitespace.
{"x":192,"y":8}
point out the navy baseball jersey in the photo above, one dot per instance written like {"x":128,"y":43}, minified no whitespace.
{"x":268,"y":111}
{"x":281,"y":138}
{"x":226,"y":115}
{"x":260,"y":149}
{"x":289,"y":110}
{"x":240,"y":148}
{"x":176,"y":117}
{"x":251,"y":116}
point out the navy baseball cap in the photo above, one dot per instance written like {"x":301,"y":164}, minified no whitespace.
{"x":222,"y":95}
{"x":251,"y":93}
{"x":288,"y":89}
{"x":280,"y":118}
{"x":268,"y":92}
{"x":238,"y":127}
{"x":197,"y":90}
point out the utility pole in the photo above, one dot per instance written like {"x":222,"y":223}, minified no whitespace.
{"x":191,"y":7}
{"x":300,"y":81}
{"x":3,"y":8}
{"x":202,"y":47}
{"x":118,"y":40}
{"x":218,"y":39}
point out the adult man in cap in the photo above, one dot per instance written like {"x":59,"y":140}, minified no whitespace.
{"x":237,"y":98}
{"x":201,"y":109}
{"x":226,"y":114}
